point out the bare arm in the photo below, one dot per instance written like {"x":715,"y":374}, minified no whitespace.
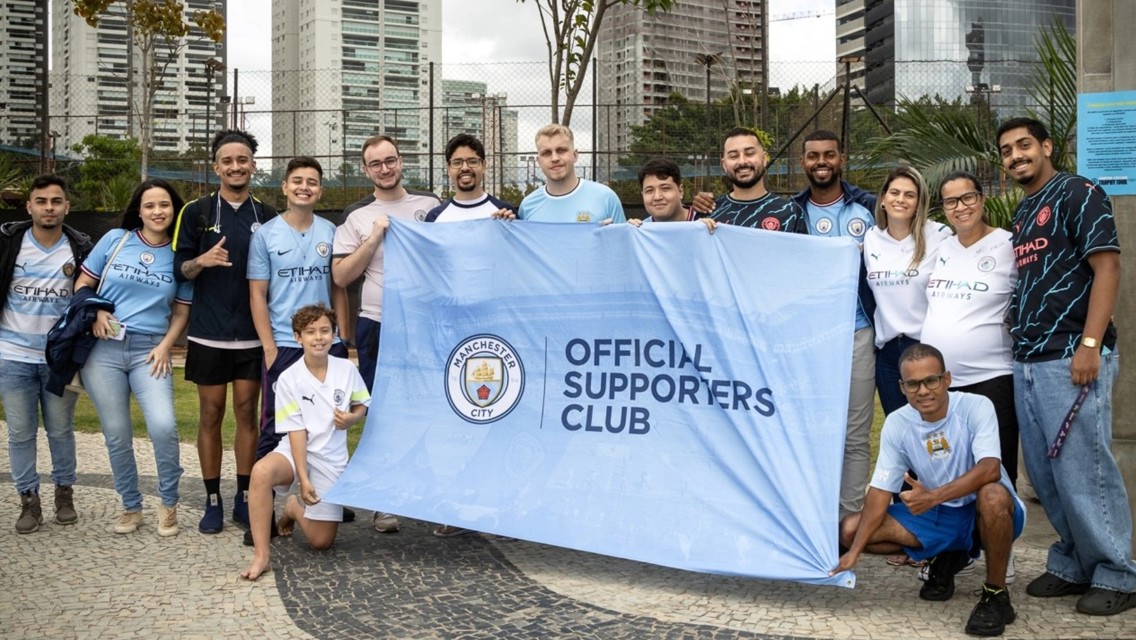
{"x":258,"y":303}
{"x":299,"y":443}
{"x":340,"y":305}
{"x":85,"y":280}
{"x":875,"y":509}
{"x":346,"y":419}
{"x":159,"y":356}
{"x":347,"y":269}
{"x":919,"y":499}
{"x":1085,"y":366}
{"x":217,"y":256}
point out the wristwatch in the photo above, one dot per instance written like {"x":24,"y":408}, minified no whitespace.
{"x":1091,"y":343}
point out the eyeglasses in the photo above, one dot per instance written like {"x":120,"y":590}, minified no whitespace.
{"x":931,"y":382}
{"x":966,"y":199}
{"x":389,"y":163}
{"x":456,"y":163}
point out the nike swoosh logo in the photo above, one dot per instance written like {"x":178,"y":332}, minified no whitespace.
{"x":280,"y":253}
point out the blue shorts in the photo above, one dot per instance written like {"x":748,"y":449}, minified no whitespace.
{"x":946,"y":528}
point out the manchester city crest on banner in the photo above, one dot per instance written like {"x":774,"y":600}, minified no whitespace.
{"x":484,"y":379}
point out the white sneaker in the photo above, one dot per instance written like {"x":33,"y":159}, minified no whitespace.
{"x":128,"y":522}
{"x":167,"y":521}
{"x":385,"y":522}
{"x":968,"y":570}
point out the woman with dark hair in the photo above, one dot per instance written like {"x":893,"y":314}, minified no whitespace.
{"x":966,"y":313}
{"x":134,"y":268}
{"x":899,"y":253}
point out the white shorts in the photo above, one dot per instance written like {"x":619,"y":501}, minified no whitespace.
{"x":321,"y":478}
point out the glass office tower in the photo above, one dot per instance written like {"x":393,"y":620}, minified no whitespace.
{"x":948,"y":48}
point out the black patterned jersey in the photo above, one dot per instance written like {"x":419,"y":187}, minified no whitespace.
{"x":1054,"y":231}
{"x":769,"y":212}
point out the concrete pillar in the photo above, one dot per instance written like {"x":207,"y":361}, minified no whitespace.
{"x":1106,"y":50}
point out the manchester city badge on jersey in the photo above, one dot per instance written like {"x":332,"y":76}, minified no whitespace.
{"x":68,"y":269}
{"x":339,"y":395}
{"x":771,"y":224}
{"x":938,"y":446}
{"x":1044,"y":215}
{"x":583,"y":216}
{"x":987,"y":264}
{"x":323,"y":249}
{"x":146,"y":258}
{"x":824,"y":225}
{"x":484,"y":379}
{"x":856,"y":227}
{"x":420,"y":215}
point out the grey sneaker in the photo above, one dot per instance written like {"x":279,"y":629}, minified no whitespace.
{"x":128,"y":522}
{"x":64,"y":506}
{"x":167,"y":520}
{"x":385,"y":522}
{"x":31,"y":515}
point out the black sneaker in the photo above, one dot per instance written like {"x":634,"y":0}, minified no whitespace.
{"x":273,"y":532}
{"x":992,"y":613}
{"x":940,"y":583}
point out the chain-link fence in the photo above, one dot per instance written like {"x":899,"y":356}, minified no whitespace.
{"x":329,"y":113}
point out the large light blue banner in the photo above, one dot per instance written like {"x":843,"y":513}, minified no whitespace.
{"x":659,"y":394}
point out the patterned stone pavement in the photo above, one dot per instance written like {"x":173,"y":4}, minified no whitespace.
{"x":83,"y":581}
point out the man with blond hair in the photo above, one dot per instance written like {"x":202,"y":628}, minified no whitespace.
{"x":566,"y":197}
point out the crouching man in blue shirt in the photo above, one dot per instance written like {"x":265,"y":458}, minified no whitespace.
{"x":963,"y":501}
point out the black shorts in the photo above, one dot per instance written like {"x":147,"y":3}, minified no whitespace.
{"x":210,"y":365}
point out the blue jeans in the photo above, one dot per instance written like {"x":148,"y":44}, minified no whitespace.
{"x":24,"y":394}
{"x":114,"y":369}
{"x":887,"y":373}
{"x":1081,"y":490}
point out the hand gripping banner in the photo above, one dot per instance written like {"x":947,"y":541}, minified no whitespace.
{"x":658,"y":393}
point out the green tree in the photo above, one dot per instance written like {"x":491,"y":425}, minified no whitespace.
{"x":681,"y":129}
{"x":158,"y":31}
{"x":108,"y":164}
{"x":11,"y":181}
{"x":571,"y":28}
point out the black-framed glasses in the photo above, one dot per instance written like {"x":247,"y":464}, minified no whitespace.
{"x":966,"y":199}
{"x":473,"y":163}
{"x":389,"y":163}
{"x":931,"y":382}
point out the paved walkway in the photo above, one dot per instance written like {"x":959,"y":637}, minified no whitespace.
{"x":83,"y":581}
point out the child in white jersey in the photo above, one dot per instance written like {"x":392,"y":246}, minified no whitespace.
{"x":317,"y":399}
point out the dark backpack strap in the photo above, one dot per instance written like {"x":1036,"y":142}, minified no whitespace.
{"x":204,"y":209}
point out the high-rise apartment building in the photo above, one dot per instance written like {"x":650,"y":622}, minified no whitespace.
{"x":468,"y":107}
{"x":345,"y":70}
{"x":23,"y":66}
{"x":949,"y":48}
{"x":644,"y":58}
{"x":90,"y":81}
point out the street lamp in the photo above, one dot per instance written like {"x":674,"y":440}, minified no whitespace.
{"x":331,"y":125}
{"x":212,"y":65}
